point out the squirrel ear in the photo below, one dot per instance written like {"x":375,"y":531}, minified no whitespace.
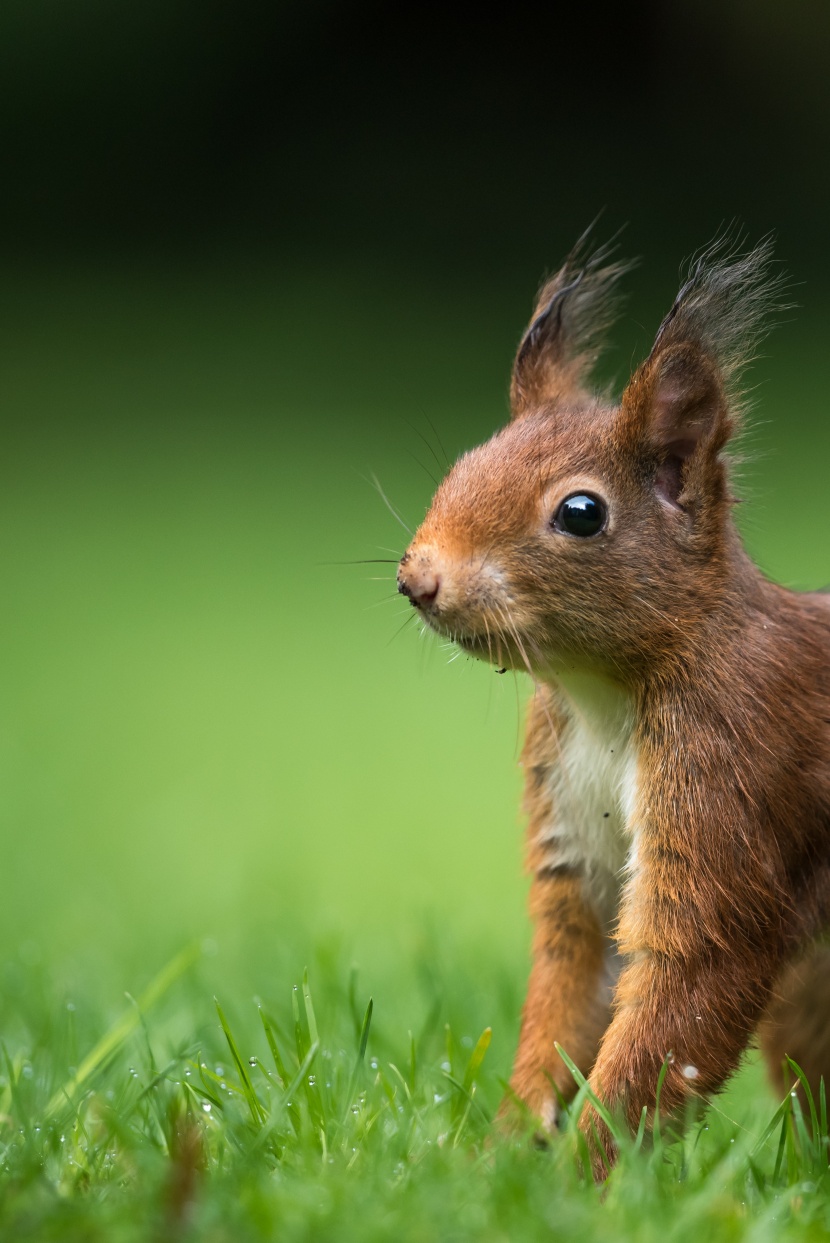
{"x":678,"y":400}
{"x":561,"y":343}
{"x":684,"y":401}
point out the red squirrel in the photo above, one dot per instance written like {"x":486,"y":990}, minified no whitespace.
{"x":677,"y":754}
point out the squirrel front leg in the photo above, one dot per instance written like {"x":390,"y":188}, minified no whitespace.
{"x":567,"y":1000}
{"x":568,"y":997}
{"x":703,"y":936}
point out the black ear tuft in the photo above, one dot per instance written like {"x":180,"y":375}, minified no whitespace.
{"x":725,"y":306}
{"x":682,"y":403}
{"x":573,"y":311}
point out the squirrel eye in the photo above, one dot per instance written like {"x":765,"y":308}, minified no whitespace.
{"x":580,"y":515}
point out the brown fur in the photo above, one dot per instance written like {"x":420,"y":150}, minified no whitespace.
{"x":727,"y":829}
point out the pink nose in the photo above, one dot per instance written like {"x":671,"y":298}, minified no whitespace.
{"x":419,"y":585}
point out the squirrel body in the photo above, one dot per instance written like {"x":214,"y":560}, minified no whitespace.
{"x":677,"y":755}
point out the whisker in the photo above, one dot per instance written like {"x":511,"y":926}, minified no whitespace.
{"x":538,"y":687}
{"x":438,"y":438}
{"x":400,"y":629}
{"x":672,"y":625}
{"x":489,"y":643}
{"x":364,"y":561}
{"x":418,"y":432}
{"x":375,"y":482}
{"x":517,"y":746}
{"x":377,"y":603}
{"x":426,"y":470}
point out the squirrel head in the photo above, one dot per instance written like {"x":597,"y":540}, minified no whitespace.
{"x":587,"y":530}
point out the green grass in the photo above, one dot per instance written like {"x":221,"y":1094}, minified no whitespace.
{"x":210,"y":733}
{"x":311,"y":1114}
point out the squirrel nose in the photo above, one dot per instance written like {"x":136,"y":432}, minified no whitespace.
{"x":419,"y":585}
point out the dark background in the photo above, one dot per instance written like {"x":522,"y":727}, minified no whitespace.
{"x":438,"y":137}
{"x":249,"y":255}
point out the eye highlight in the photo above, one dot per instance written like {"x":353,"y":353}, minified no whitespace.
{"x":581,"y":515}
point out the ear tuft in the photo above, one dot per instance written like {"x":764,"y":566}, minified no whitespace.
{"x":684,"y":400}
{"x":573,"y":311}
{"x":725,"y":306}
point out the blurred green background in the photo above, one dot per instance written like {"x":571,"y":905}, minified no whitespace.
{"x":250,"y":256}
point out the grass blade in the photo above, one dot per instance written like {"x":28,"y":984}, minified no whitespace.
{"x":257,"y":1111}
{"x":124,"y":1027}
{"x":601,"y":1109}
{"x":270,"y":1036}
{"x":309,"y":1011}
{"x":299,"y":1034}
{"x":657,"y":1137}
{"x":312,"y":1088}
{"x":287,"y":1099}
{"x":364,"y":1031}
{"x":808,"y":1094}
{"x":361,"y":1054}
{"x":477,"y":1057}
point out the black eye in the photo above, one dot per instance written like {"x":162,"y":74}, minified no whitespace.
{"x":580,"y":515}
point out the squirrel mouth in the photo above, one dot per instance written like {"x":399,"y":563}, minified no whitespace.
{"x":496,"y":648}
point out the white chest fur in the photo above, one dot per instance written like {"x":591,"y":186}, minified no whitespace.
{"x":594,"y":787}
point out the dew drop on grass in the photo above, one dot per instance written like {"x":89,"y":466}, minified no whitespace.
{"x":373,"y":1062}
{"x":252,"y":1061}
{"x":220,"y":1070}
{"x":312,"y":1079}
{"x":206,"y":1106}
{"x":27,"y":1070}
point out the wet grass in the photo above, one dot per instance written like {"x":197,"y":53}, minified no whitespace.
{"x":233,"y":1118}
